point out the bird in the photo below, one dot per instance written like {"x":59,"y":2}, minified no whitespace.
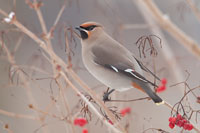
{"x":112,"y":63}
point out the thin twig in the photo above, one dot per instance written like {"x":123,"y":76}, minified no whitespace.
{"x":40,"y":16}
{"x":89,"y":103}
{"x":194,"y":9}
{"x":62,"y":93}
{"x":17,"y":115}
{"x":57,"y":20}
{"x":171,"y":28}
{"x":23,"y":79}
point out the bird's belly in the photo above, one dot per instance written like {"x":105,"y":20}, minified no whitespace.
{"x":110,"y":78}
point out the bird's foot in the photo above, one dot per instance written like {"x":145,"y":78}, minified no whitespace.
{"x":106,"y":95}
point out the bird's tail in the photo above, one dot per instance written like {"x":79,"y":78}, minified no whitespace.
{"x":152,"y":94}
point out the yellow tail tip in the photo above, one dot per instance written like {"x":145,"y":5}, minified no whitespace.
{"x":160,"y":103}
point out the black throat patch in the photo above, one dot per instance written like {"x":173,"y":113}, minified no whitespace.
{"x":84,"y":35}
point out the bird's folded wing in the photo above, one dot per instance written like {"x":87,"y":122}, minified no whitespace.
{"x":117,"y":62}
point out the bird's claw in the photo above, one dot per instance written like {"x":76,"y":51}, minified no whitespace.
{"x":106,"y":97}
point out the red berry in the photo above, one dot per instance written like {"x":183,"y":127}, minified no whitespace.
{"x":172,"y":120}
{"x":179,"y":117}
{"x":179,"y":123}
{"x":190,"y":127}
{"x":164,"y":81}
{"x":75,"y":122}
{"x":184,"y":121}
{"x":161,"y":88}
{"x":110,"y":122}
{"x":171,"y":125}
{"x":84,"y":131}
{"x":185,"y":126}
{"x":125,"y":111}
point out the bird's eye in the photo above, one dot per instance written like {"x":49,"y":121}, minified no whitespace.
{"x":91,"y":27}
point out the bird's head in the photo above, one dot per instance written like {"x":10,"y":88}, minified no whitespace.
{"x":89,"y":30}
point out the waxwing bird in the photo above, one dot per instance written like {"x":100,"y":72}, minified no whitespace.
{"x":111,"y":63}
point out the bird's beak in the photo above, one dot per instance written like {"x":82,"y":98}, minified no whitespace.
{"x":83,"y":33}
{"x":78,"y":28}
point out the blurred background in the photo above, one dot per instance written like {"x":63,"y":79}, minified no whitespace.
{"x":125,"y":21}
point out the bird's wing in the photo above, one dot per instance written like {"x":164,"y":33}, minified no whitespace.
{"x":117,"y":62}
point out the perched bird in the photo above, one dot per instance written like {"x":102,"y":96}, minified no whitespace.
{"x":111,"y":63}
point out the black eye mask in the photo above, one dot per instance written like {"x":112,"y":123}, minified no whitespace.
{"x":89,"y":28}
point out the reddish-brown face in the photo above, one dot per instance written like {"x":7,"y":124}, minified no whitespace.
{"x":87,"y":28}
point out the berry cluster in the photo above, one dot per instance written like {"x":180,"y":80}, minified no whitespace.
{"x":81,"y":122}
{"x":162,"y":87}
{"x":180,"y":121}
